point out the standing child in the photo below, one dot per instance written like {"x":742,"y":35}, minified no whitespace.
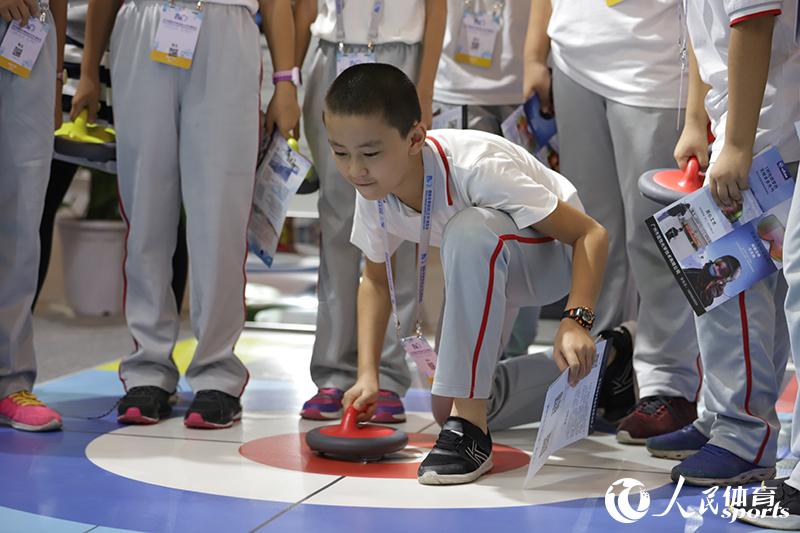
{"x":186,"y":110}
{"x":28,"y":105}
{"x":505,"y":224}
{"x":746,"y":68}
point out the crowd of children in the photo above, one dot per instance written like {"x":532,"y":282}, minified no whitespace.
{"x":514,"y":235}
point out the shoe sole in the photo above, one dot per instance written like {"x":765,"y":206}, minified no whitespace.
{"x":432,"y":478}
{"x":316,"y":414}
{"x":134,"y":416}
{"x":751,"y":476}
{"x":624,"y":437}
{"x":53,"y":425}
{"x":196,"y":421}
{"x":675,"y":455}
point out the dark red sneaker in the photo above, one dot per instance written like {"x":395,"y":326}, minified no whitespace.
{"x":656,"y":415}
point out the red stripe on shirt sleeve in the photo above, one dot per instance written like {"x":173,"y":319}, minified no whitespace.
{"x":768,"y":13}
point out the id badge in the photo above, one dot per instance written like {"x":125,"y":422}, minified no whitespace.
{"x":176,"y":36}
{"x":422,"y":354}
{"x":477,"y":38}
{"x":345,"y":60}
{"x":21,"y":46}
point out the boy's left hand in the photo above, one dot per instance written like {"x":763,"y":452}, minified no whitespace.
{"x":728,"y":177}
{"x":574,"y":349}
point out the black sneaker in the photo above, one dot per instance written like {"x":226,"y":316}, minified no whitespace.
{"x":462,"y":454}
{"x":773,"y":505}
{"x":617,"y":391}
{"x":145,"y":405}
{"x":213,"y":409}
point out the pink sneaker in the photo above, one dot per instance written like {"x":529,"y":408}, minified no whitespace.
{"x":23,"y":410}
{"x":389,"y":408}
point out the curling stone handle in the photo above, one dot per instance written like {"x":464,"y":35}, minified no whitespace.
{"x":350,"y":418}
{"x":79,"y":131}
{"x":691,"y":176}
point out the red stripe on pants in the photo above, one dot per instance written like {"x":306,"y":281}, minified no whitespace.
{"x":488,"y":301}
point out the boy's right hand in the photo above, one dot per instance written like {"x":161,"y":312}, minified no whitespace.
{"x":693,"y":142}
{"x":362,"y":396}
{"x":19,"y":10}
{"x":538,"y":80}
{"x":87,"y":96}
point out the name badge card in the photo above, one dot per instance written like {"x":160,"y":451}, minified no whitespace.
{"x":423,"y":355}
{"x":477,"y":38}
{"x":176,"y":36}
{"x":21,"y":46}
{"x":345,"y":60}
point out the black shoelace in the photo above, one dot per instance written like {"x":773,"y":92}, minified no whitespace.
{"x":449,"y":440}
{"x":652,"y":404}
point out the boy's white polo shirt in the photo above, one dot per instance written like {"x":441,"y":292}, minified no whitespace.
{"x":473,"y":168}
{"x":710,"y":24}
{"x":501,"y":84}
{"x":401,"y":21}
{"x":628,"y":52}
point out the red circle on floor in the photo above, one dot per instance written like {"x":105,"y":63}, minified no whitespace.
{"x":290,"y":451}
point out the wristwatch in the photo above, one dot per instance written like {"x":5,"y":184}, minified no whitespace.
{"x":582,"y":315}
{"x":293,"y":76}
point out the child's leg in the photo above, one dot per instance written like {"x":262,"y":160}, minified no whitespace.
{"x":744,"y":350}
{"x":218,"y":149}
{"x":26,"y":149}
{"x":489,"y":267}
{"x":146,"y":120}
{"x":791,"y":269}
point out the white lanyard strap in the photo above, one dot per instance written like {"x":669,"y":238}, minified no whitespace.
{"x":422,"y":256}
{"x":497,"y":7}
{"x":374,"y":22}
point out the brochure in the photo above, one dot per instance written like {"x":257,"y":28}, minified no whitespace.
{"x":715,"y":253}
{"x":529,"y":128}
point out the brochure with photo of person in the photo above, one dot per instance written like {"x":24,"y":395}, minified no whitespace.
{"x":716,"y":253}
{"x":528,"y":127}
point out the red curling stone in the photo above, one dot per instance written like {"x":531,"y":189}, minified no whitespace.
{"x":667,"y":186}
{"x":352,"y":441}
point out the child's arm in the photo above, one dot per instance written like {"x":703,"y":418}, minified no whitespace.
{"x":694,"y":137}
{"x":536,"y":79}
{"x":100,"y":18}
{"x":573,"y":347}
{"x":283,"y":110}
{"x":374,"y":308}
{"x":749,"y":54}
{"x":305,"y":11}
{"x":59,"y":10}
{"x":435,"y":18}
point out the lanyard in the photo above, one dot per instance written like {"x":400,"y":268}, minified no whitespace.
{"x":497,"y":7}
{"x":422,"y":256}
{"x":683,"y":43}
{"x":374,"y":21}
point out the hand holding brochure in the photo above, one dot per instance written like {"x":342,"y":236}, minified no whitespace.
{"x":568,"y":414}
{"x":715,"y":253}
{"x":529,"y":128}
{"x":278,"y":177}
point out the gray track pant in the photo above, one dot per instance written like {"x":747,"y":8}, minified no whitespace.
{"x":605,"y":146}
{"x":191,"y":136}
{"x":26,"y":149}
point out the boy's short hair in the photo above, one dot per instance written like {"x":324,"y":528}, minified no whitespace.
{"x":372,"y":88}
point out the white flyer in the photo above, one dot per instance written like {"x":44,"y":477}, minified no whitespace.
{"x":567,"y":415}
{"x":277,"y":179}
